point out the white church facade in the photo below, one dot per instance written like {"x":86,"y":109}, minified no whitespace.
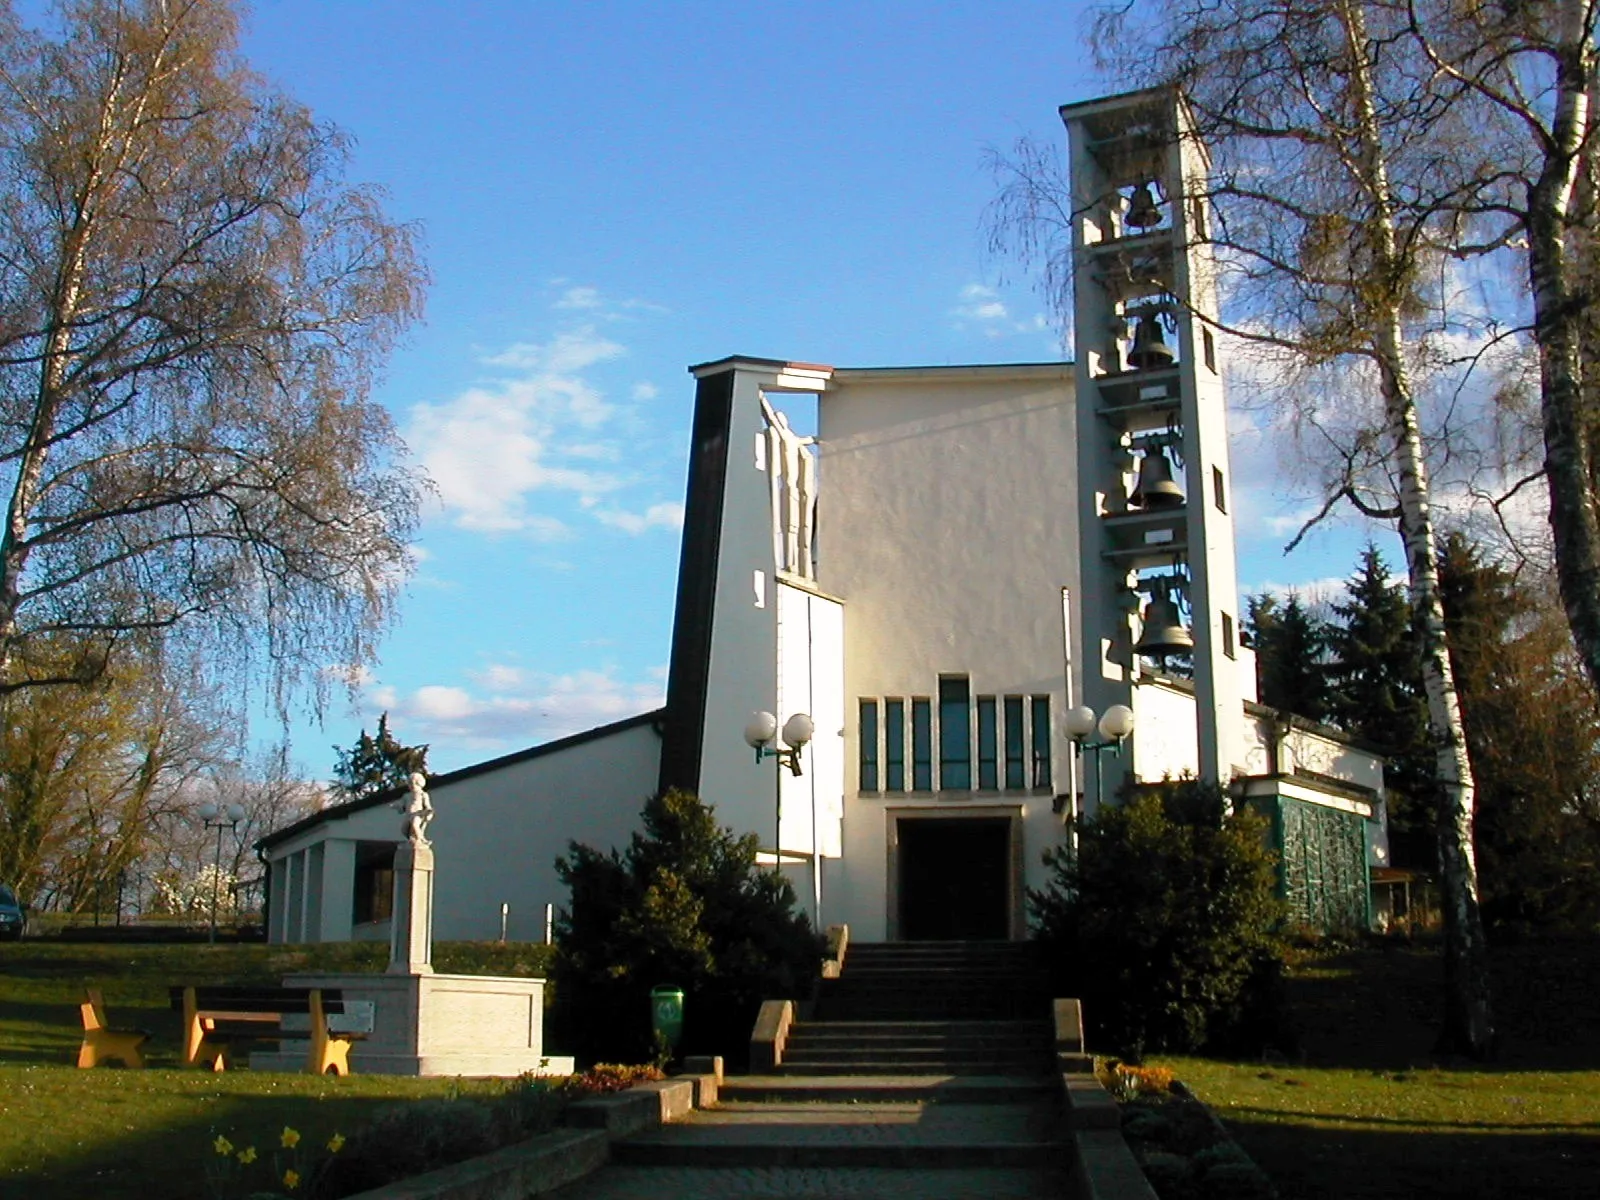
{"x":957,"y":564}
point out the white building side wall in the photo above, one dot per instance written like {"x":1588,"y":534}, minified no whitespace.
{"x":496,"y":837}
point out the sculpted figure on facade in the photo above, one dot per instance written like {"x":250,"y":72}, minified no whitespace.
{"x":792,"y":463}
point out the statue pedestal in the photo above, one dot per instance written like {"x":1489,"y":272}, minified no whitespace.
{"x":411,"y":925}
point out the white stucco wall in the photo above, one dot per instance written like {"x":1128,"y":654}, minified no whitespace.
{"x":497,"y":833}
{"x":947,"y":524}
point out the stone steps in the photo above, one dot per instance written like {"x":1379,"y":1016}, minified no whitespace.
{"x":848,"y":1088}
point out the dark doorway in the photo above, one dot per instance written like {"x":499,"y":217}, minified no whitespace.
{"x":955,"y":879}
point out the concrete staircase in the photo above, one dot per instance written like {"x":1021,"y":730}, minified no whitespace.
{"x":925,"y":1071}
{"x":928,"y":1008}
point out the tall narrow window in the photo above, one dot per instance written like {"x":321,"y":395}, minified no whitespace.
{"x":1218,"y":494}
{"x":1041,"y":741}
{"x":922,"y":745}
{"x":1014,"y":743}
{"x":955,"y":732}
{"x":988,"y":745}
{"x":1227,"y":635}
{"x":869,"y":745}
{"x":894,"y":745}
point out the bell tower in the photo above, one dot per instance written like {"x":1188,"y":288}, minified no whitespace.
{"x":1159,"y":607}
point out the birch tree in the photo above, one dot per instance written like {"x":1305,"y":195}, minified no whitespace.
{"x":193,"y":306}
{"x":1529,"y":73}
{"x":1331,"y":141}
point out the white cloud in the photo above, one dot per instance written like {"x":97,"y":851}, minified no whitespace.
{"x":665,"y":515}
{"x":580,"y":297}
{"x":982,"y":307}
{"x":567,"y":352}
{"x":508,"y":707}
{"x":645,"y":391}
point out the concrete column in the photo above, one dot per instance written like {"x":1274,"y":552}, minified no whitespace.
{"x":277,"y":894}
{"x":338,"y":890}
{"x":294,"y":897}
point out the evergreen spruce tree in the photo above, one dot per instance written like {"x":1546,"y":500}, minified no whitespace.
{"x":1291,"y":653}
{"x":1376,"y":694}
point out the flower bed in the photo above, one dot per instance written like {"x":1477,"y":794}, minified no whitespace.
{"x":409,"y":1138}
{"x":1185,"y":1152}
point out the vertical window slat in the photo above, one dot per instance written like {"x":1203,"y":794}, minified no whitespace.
{"x":988,"y":745}
{"x":955,"y":732}
{"x":869,"y":746}
{"x":894,"y":750}
{"x":1015,"y":777}
{"x":921,"y":745}
{"x":1041,"y":741}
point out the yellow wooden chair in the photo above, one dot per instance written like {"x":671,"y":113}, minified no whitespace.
{"x":101,"y":1042}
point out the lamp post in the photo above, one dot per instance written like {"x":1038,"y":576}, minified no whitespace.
{"x":219,"y":818}
{"x":761,"y":734}
{"x":1114,"y":727}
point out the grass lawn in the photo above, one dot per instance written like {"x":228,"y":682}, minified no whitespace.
{"x":1363,"y":1112}
{"x":66,"y":1134}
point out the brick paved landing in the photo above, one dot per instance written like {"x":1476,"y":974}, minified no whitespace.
{"x":821,"y":1183}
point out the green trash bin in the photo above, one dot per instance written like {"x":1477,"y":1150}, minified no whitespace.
{"x":666,"y":1016}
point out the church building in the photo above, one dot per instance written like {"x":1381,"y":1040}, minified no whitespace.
{"x":907,"y":648}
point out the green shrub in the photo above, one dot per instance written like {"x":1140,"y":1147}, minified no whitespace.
{"x":1164,"y":922}
{"x":686,"y":906}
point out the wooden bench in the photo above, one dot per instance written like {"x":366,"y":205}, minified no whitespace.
{"x":214,"y":1018}
{"x":101,"y":1042}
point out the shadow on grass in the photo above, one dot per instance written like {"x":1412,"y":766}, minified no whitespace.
{"x":1377,"y":1007}
{"x":140,"y":1134}
{"x":1463,"y":1163}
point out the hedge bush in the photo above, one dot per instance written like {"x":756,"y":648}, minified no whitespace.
{"x":1165,"y":923}
{"x":685,"y":905}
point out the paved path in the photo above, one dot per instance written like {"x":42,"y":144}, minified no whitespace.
{"x":840,"y":1148}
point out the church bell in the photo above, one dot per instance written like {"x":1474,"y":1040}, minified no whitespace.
{"x":1156,"y":488}
{"x":1142,"y":210}
{"x":1164,"y":632}
{"x":1150,"y":350}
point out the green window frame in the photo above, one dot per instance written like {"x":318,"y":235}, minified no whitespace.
{"x":921,"y":744}
{"x":955,"y":733}
{"x":1016,"y":777}
{"x":869,"y":746}
{"x":894,"y":745}
{"x":988,"y":745}
{"x":1041,"y":741}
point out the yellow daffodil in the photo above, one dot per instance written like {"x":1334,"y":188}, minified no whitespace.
{"x":291,"y":1180}
{"x":247,"y":1155}
{"x":290,"y":1138}
{"x":222,"y":1146}
{"x":336,"y":1143}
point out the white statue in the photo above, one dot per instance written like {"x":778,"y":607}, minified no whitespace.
{"x":418,"y":810}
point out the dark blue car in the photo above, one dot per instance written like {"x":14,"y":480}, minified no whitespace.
{"x":12,"y":915}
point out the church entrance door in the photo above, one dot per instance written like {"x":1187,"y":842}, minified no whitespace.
{"x":955,"y":878}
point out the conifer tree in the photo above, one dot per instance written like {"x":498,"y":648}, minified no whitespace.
{"x":376,"y":764}
{"x":1291,"y":653}
{"x":1377,"y":696}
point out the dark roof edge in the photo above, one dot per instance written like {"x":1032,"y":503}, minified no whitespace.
{"x":653,"y":717}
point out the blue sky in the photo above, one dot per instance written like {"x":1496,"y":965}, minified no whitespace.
{"x":610,"y":192}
